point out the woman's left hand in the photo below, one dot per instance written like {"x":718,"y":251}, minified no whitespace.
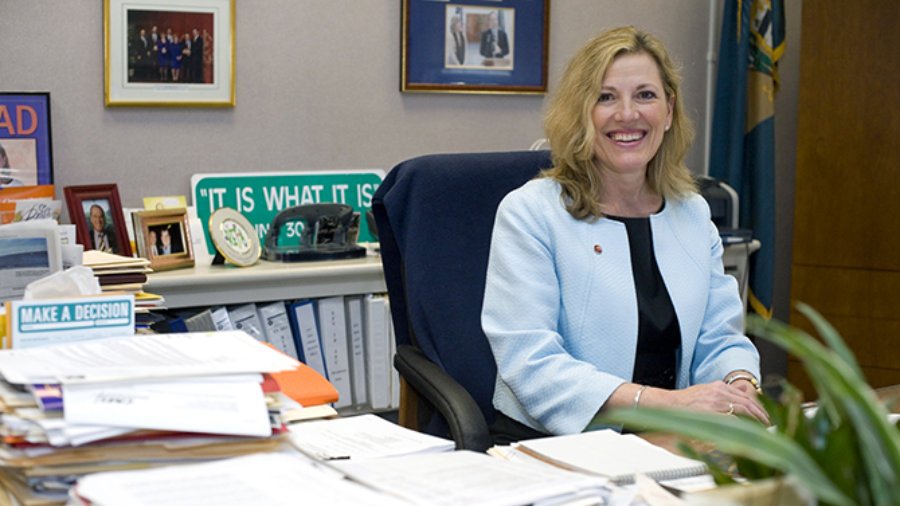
{"x":721,"y":398}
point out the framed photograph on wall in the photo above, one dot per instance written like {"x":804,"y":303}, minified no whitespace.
{"x":26,"y":154}
{"x":177,"y":53}
{"x":488,"y":46}
{"x":96,"y":212}
{"x":164,"y":237}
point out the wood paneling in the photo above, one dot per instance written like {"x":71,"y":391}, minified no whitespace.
{"x":847,"y":199}
{"x":842,"y":292}
{"x":848,"y":164}
{"x":876,"y":378}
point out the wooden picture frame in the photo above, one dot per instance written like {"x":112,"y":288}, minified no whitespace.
{"x":26,"y":150}
{"x":497,"y":46}
{"x":164,"y":237}
{"x":169,"y":53}
{"x":97,"y":214}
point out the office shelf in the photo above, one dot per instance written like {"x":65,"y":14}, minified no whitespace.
{"x":208,"y":285}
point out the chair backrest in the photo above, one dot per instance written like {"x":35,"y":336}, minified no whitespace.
{"x":435,"y":215}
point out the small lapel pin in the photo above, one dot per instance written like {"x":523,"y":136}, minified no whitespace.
{"x":598,"y":249}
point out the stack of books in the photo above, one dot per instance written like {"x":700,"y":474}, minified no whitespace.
{"x":117,"y":273}
{"x":142,"y":401}
{"x":121,"y":274}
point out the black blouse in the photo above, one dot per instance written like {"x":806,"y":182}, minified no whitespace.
{"x":659,"y":337}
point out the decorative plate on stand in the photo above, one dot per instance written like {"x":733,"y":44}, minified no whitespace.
{"x":234,"y":238}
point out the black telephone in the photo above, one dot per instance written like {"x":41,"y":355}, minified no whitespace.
{"x":327,"y":232}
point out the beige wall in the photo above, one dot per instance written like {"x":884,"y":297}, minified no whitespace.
{"x":317,"y":88}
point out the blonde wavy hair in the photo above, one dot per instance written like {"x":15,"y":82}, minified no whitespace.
{"x":570,"y":129}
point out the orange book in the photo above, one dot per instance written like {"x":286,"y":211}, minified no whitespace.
{"x":305,"y":385}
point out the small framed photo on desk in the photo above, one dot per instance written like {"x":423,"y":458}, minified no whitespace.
{"x":164,"y":238}
{"x":96,"y":212}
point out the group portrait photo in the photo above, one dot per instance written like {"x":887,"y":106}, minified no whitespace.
{"x":170,"y":47}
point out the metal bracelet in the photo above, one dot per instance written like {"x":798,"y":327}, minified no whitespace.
{"x":637,"y":396}
{"x":744,"y":376}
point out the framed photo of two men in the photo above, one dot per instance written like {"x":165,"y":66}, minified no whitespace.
{"x":169,"y":53}
{"x":471,"y":46}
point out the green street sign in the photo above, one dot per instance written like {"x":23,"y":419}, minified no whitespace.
{"x":261,"y":196}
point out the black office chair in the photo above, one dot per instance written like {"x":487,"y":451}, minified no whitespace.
{"x":435,"y":215}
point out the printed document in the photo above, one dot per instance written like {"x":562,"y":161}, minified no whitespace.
{"x":235,"y":407}
{"x":276,"y":479}
{"x":362,"y":437}
{"x":473,"y":479}
{"x":143,"y":356}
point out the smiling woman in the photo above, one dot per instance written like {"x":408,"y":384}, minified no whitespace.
{"x":605,"y":277}
{"x":630,"y":119}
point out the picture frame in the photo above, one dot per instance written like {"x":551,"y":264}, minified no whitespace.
{"x":164,"y":237}
{"x":26,"y":150}
{"x":96,"y":212}
{"x":486,"y":47}
{"x":169,"y":53}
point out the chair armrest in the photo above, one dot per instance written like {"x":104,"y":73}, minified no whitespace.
{"x":465,"y":419}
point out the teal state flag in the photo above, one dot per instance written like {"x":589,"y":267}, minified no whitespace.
{"x":743,"y":131}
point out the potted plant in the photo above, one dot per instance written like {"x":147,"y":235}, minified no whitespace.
{"x":846,"y":452}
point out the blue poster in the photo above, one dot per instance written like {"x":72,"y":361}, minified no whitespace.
{"x":25,"y":150}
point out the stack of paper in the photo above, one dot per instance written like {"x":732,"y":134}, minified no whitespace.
{"x":134,"y":402}
{"x":275,"y":479}
{"x":464,"y":477}
{"x":117,"y":273}
{"x":446,"y":478}
{"x":423,"y":469}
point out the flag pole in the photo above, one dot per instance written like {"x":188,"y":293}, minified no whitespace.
{"x":712,"y":58}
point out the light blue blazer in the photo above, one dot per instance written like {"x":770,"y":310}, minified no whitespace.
{"x":562,"y":319}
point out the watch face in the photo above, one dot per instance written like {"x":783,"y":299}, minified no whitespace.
{"x":234,"y":237}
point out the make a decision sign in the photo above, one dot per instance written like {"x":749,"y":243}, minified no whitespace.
{"x":261,"y":196}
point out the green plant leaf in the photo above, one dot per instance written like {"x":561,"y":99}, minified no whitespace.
{"x":846,"y":398}
{"x":736,"y":436}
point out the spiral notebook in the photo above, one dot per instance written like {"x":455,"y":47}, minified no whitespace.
{"x":615,"y":456}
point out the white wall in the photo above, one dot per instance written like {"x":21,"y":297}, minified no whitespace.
{"x":318,"y":88}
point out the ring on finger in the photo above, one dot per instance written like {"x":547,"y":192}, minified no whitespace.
{"x":730,"y":409}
